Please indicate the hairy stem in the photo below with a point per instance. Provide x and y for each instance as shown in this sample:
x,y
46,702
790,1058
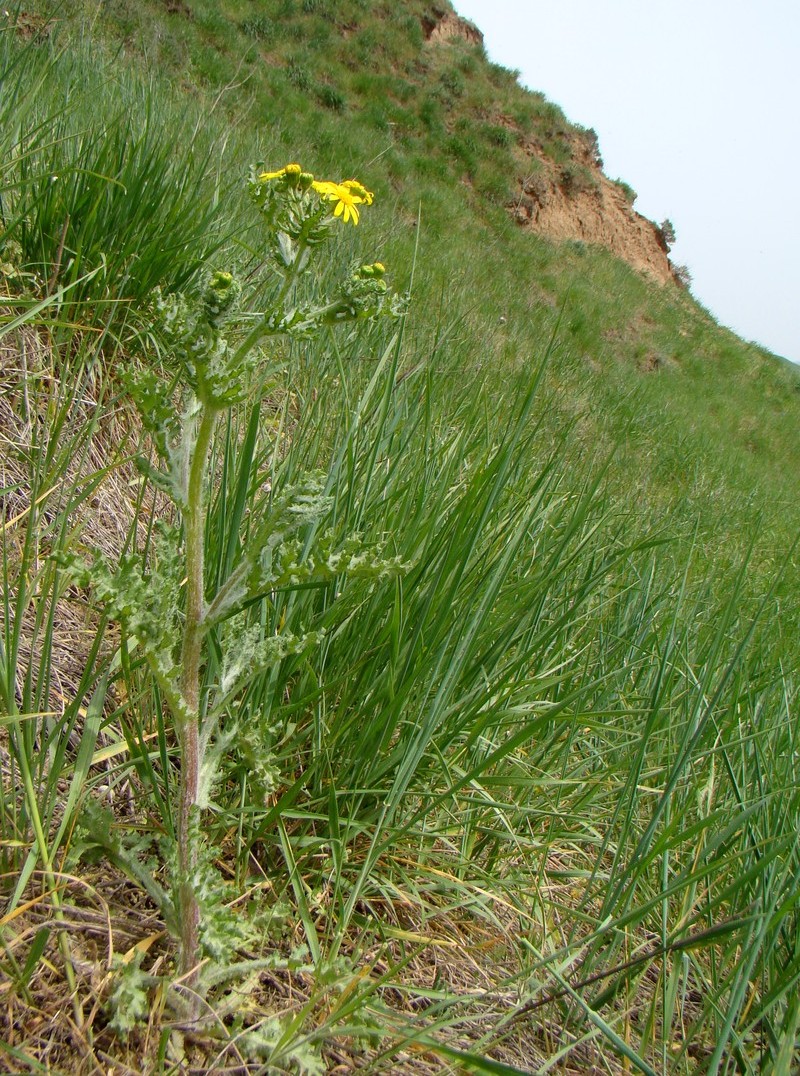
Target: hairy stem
x,y
188,721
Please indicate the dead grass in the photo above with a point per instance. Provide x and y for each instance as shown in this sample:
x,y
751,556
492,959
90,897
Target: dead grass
x,y
456,956
91,494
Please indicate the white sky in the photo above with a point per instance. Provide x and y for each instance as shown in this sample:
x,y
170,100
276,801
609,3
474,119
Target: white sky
x,y
697,106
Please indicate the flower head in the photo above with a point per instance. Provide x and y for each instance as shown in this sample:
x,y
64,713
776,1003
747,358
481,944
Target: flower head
x,y
324,188
344,197
358,191
345,201
347,196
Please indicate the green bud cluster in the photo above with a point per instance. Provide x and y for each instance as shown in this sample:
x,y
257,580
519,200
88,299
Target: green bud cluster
x,y
216,373
365,295
376,271
220,297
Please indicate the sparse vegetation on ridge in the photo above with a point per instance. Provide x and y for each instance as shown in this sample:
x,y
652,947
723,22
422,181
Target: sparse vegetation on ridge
x,y
530,802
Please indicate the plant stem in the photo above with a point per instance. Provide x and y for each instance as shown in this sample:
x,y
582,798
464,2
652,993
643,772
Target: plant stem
x,y
292,275
188,721
290,279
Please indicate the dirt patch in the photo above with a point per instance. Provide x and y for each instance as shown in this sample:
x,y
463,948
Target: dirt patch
x,y
178,7
580,202
450,27
655,361
28,26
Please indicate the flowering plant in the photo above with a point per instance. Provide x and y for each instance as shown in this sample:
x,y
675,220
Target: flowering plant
x,y
164,605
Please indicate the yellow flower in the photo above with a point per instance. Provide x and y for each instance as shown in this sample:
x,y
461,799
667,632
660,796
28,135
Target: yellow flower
x,y
347,196
287,170
324,188
359,191
344,199
346,206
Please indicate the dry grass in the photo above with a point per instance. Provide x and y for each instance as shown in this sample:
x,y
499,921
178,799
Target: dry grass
x,y
456,956
109,513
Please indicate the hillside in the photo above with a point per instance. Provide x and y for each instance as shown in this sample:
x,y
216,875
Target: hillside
x,y
398,663
407,91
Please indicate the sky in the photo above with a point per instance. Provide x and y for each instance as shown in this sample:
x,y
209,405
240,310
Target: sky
x,y
697,106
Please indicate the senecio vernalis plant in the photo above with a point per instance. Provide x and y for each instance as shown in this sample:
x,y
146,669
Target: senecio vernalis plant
x,y
216,360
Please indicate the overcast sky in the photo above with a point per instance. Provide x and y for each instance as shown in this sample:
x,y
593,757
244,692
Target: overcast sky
x,y
697,106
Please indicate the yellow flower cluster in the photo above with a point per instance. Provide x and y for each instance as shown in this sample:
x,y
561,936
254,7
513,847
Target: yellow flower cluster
x,y
347,195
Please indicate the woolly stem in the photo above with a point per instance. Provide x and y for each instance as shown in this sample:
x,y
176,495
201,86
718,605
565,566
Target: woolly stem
x,y
188,721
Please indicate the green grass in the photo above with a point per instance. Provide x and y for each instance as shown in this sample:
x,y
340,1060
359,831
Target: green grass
x,y
100,207
536,798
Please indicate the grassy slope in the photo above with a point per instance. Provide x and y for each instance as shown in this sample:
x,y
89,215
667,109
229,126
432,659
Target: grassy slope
x,y
581,763
358,90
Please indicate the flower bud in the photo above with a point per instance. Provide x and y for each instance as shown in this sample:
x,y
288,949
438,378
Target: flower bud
x,y
220,280
292,173
222,291
305,180
375,271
